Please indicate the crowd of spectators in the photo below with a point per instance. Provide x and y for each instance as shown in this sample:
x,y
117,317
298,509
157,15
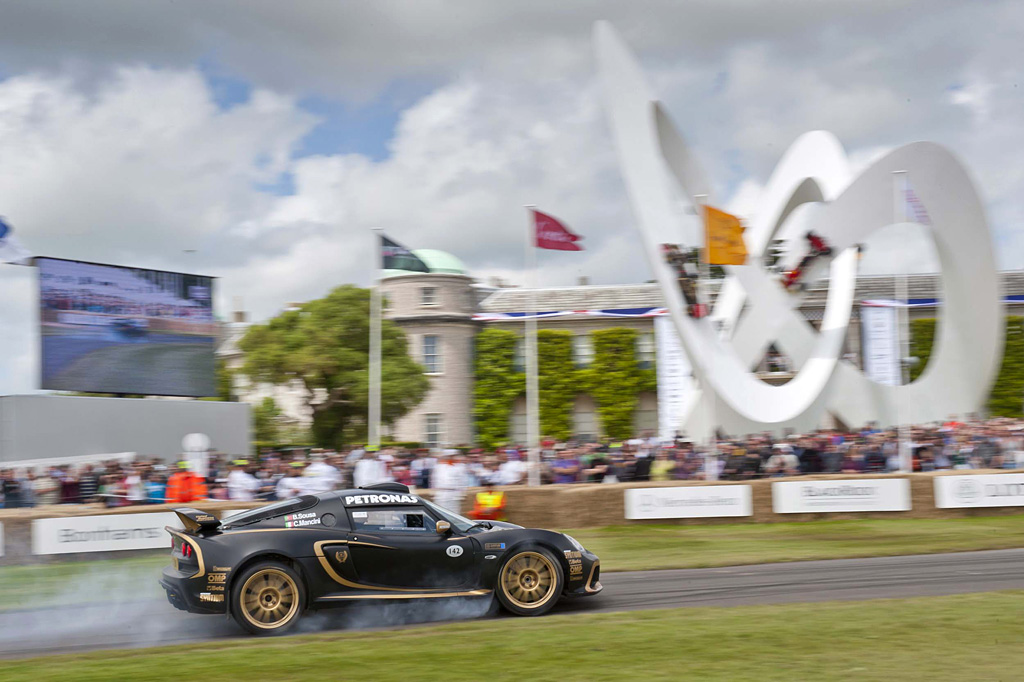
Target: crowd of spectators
x,y
278,474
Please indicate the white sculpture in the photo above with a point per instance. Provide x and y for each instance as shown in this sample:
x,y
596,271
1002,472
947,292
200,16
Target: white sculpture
x,y
810,189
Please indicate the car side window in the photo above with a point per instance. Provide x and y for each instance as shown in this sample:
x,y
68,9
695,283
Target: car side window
x,y
397,519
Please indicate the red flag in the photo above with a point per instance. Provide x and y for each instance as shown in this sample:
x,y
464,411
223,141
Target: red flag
x,y
552,234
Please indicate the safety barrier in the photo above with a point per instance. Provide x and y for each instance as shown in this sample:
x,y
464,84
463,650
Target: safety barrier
x,y
88,531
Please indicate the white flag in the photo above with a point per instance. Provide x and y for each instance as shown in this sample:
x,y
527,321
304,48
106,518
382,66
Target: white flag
x,y
11,250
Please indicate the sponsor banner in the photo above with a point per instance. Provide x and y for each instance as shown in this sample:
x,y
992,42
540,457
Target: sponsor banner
x,y
880,344
109,533
852,495
983,490
84,318
675,378
688,502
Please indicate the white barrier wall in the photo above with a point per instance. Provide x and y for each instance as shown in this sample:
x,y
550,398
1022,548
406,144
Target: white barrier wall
x,y
982,490
108,533
689,502
855,495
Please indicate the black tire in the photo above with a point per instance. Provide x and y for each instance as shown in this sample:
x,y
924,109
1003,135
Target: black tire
x,y
268,598
530,582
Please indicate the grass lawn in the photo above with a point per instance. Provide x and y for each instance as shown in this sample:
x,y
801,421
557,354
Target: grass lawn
x,y
963,637
633,548
621,548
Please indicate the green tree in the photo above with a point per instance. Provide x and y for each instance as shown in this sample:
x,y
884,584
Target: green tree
x,y
615,379
496,384
1007,396
556,381
324,344
266,423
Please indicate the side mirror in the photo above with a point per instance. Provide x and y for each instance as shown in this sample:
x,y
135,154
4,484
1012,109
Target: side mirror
x,y
442,527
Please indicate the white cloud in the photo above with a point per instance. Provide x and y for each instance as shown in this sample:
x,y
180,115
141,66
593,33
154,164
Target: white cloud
x,y
115,150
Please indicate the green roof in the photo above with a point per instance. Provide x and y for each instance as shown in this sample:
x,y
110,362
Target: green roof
x,y
437,261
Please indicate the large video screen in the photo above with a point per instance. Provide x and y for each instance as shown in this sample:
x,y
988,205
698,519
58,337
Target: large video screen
x,y
110,329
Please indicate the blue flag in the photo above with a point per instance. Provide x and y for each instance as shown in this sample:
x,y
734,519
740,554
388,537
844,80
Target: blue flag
x,y
11,251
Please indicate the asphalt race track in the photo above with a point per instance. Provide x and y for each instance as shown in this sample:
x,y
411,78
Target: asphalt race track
x,y
151,622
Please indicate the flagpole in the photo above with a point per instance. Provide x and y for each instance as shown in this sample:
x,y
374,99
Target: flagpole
x,y
899,184
532,390
704,298
373,418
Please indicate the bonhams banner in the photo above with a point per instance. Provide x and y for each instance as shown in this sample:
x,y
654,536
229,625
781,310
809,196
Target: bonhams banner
x,y
106,533
852,495
983,490
689,502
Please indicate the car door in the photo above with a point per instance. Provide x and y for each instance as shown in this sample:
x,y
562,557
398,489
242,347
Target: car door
x,y
399,547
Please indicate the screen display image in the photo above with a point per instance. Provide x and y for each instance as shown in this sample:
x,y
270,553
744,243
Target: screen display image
x,y
110,329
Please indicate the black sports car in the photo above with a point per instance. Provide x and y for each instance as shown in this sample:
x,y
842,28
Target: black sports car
x,y
268,565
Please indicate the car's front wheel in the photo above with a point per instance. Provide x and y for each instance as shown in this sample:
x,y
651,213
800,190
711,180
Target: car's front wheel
x,y
267,598
529,582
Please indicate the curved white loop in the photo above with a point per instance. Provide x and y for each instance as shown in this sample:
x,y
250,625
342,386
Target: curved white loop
x,y
814,169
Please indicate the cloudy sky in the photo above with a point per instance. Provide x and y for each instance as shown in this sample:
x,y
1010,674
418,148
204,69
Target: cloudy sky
x,y
259,141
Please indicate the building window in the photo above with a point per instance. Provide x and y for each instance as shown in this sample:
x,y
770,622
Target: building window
x,y
432,354
645,350
434,432
519,359
582,350
428,296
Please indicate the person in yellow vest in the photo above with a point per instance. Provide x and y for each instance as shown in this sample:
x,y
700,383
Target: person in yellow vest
x,y
489,505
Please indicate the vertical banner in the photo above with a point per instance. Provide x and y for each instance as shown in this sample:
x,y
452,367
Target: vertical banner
x,y
881,348
675,378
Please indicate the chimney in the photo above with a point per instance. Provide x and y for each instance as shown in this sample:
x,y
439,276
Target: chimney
x,y
583,281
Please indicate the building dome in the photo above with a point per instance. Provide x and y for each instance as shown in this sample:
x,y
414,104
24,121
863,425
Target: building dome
x,y
437,261
441,261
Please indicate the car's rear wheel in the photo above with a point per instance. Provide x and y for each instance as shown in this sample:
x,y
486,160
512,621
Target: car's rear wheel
x,y
267,598
529,582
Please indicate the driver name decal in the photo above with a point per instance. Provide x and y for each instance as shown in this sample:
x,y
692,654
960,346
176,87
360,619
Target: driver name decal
x,y
299,520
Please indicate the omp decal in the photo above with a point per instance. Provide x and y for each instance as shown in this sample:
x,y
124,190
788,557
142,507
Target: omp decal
x,y
379,499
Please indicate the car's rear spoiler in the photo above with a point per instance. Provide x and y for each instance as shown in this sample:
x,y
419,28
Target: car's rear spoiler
x,y
197,522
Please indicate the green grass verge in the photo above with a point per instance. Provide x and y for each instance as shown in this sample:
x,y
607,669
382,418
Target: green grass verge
x,y
963,637
634,548
621,548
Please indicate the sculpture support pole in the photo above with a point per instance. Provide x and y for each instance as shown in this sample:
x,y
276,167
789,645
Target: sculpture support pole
x,y
899,215
532,397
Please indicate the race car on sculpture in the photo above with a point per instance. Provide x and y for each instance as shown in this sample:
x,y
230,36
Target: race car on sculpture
x,y
267,566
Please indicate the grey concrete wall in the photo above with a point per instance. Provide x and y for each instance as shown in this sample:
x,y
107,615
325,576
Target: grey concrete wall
x,y
38,426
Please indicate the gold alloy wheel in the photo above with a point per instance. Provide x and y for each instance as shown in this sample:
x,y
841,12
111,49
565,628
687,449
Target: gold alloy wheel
x,y
528,580
270,598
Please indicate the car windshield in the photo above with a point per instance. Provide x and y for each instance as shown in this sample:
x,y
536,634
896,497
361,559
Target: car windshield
x,y
461,523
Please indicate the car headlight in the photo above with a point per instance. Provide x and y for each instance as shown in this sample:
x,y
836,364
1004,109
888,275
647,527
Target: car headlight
x,y
576,545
